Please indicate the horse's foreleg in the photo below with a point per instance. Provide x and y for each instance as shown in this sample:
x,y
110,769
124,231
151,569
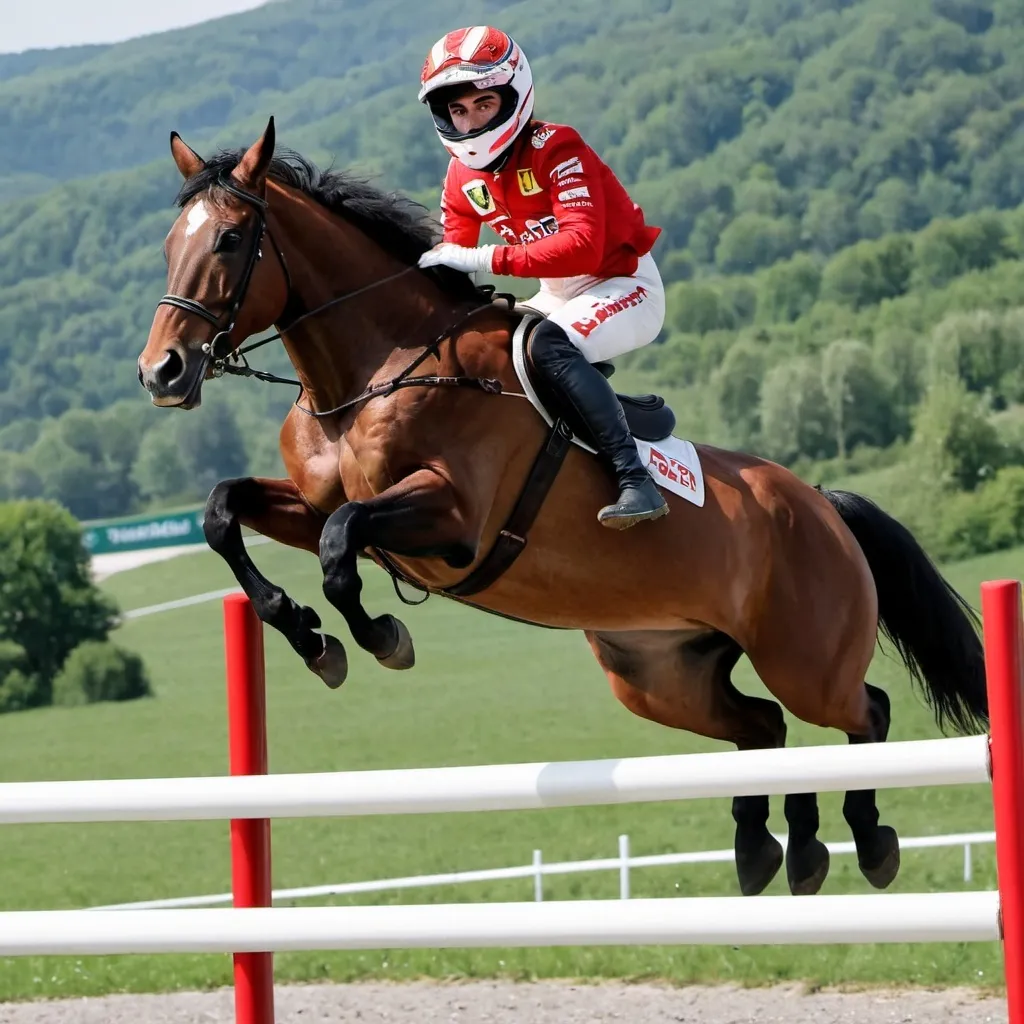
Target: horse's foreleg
x,y
275,509
417,517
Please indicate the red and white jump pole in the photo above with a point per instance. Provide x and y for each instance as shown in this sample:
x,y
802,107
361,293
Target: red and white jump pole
x,y
1004,667
250,837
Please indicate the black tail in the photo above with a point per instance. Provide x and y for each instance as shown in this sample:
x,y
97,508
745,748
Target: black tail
x,y
934,630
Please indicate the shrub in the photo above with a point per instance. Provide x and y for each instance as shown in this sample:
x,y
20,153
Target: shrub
x,y
100,671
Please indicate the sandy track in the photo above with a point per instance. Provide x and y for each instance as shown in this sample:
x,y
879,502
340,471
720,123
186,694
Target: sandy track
x,y
530,1003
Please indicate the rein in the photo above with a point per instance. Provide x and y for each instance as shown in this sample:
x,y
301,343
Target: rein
x,y
222,361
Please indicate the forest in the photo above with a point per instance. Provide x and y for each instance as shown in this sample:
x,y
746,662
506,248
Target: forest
x,y
839,184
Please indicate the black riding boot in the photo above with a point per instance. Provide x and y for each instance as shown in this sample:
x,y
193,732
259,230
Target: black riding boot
x,y
584,389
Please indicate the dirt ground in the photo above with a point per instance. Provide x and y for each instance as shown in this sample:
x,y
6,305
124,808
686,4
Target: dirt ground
x,y
529,1003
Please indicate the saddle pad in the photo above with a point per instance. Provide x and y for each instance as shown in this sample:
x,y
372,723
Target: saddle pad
x,y
672,462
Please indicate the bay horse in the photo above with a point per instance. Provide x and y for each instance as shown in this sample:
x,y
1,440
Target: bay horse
x,y
411,444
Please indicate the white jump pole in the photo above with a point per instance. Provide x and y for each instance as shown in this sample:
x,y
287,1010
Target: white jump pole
x,y
835,768
722,920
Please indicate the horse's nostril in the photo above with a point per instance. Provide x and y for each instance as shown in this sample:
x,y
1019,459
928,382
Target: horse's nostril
x,y
169,369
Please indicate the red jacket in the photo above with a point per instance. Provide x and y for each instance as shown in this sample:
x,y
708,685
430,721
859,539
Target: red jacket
x,y
559,207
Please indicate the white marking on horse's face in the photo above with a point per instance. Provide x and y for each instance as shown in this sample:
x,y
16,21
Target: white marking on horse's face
x,y
197,217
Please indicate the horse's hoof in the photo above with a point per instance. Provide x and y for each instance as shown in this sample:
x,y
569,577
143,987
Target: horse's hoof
x,y
402,654
332,664
807,867
884,864
755,870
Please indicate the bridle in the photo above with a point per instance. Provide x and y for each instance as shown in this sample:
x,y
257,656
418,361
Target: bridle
x,y
214,349
218,354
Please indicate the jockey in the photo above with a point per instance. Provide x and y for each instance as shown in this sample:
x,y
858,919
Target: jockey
x,y
566,220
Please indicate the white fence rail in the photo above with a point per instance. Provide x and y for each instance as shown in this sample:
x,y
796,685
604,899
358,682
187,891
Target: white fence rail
x,y
910,763
538,869
729,920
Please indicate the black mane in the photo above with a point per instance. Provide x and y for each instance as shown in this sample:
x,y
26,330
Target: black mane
x,y
399,224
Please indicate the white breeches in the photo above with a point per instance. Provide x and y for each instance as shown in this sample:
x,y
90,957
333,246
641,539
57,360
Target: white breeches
x,y
605,318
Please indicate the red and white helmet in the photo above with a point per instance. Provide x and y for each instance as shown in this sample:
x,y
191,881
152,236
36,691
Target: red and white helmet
x,y
489,59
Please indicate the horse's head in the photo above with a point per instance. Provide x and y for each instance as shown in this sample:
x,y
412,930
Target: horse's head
x,y
219,288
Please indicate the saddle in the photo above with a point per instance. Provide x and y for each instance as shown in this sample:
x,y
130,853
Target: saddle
x,y
648,417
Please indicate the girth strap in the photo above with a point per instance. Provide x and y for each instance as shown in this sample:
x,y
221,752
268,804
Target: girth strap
x,y
512,539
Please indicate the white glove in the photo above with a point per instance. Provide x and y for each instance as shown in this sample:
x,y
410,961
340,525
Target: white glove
x,y
459,257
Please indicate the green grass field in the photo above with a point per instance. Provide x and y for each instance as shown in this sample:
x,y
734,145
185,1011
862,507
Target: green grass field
x,y
483,691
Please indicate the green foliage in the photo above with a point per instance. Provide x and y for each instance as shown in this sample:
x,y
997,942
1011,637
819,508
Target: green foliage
x,y
99,671
954,440
788,290
48,602
991,519
737,387
839,184
857,403
795,416
17,685
868,272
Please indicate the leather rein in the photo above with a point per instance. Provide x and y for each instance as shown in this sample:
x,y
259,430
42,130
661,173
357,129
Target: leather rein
x,y
221,359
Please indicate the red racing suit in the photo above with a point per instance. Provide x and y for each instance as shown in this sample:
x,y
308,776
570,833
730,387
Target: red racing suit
x,y
560,209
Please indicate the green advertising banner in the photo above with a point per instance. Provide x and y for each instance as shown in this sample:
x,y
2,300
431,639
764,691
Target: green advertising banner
x,y
136,533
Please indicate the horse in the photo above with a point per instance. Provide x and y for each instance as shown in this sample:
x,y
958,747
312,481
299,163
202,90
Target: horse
x,y
438,476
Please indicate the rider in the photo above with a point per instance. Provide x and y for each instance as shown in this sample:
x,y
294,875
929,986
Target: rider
x,y
566,219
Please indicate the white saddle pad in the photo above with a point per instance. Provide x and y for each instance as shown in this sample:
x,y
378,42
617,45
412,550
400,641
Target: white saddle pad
x,y
672,461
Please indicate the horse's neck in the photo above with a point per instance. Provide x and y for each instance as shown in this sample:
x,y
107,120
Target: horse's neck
x,y
336,354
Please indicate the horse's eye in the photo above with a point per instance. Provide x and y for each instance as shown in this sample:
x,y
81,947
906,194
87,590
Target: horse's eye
x,y
228,242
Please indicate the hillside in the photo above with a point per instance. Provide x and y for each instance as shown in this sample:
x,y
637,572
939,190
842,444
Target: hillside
x,y
824,170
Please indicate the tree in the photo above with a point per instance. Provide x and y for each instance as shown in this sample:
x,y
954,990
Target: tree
x,y
48,602
857,398
211,445
898,362
868,272
795,418
737,389
894,207
678,265
692,308
954,443
754,240
788,289
830,222
984,349
159,471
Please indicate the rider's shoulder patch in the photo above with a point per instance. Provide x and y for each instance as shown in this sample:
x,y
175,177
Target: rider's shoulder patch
x,y
541,134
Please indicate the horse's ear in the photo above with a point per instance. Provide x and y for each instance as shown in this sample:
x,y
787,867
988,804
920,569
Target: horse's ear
x,y
253,167
188,160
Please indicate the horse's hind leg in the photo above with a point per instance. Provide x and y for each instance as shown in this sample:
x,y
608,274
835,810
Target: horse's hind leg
x,y
840,700
682,680
878,847
276,509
